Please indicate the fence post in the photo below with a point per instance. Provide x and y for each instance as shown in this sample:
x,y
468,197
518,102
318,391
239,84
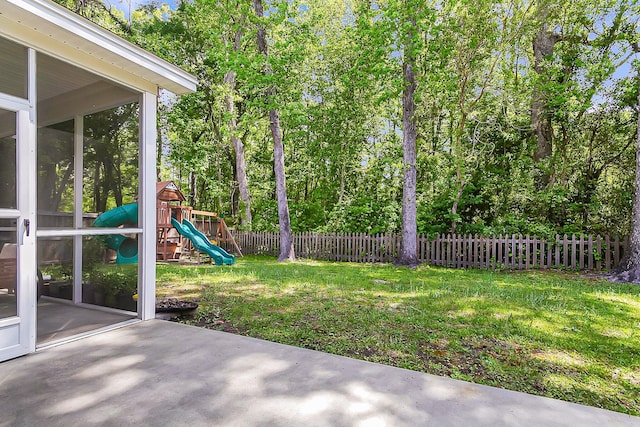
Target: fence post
x,y
535,249
514,251
465,246
487,252
599,252
448,256
455,258
573,251
581,251
590,253
542,254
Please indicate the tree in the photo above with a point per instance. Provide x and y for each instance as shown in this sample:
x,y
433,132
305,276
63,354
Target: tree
x,y
629,268
543,46
286,242
338,74
98,11
236,141
409,247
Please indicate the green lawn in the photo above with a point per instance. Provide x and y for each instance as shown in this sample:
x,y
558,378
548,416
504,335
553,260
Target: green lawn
x,y
548,333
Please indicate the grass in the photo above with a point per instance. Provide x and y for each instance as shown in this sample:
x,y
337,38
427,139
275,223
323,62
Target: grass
x,y
554,334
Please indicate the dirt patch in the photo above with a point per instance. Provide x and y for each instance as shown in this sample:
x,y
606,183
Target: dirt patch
x,y
218,325
173,305
473,358
210,319
363,352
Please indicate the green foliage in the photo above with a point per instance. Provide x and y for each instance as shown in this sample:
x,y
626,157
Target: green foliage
x,y
111,158
58,271
337,67
93,249
114,279
364,215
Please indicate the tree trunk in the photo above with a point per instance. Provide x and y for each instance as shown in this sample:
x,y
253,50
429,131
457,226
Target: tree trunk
x,y
219,200
238,145
193,179
543,46
629,268
409,246
243,183
341,191
57,196
96,188
286,243
456,202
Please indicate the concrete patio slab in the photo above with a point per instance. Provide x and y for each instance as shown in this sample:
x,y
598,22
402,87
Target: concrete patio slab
x,y
160,373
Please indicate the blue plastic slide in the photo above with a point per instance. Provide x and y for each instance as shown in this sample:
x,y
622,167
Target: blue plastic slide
x,y
202,243
125,247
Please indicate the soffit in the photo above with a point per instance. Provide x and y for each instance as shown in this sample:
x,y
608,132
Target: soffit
x,y
61,33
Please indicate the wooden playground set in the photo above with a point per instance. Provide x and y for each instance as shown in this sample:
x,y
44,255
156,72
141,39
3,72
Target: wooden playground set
x,y
171,245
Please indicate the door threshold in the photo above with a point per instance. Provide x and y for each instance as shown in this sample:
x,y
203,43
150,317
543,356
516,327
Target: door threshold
x,y
87,334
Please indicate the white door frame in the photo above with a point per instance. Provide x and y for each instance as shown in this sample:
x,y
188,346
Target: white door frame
x,y
18,333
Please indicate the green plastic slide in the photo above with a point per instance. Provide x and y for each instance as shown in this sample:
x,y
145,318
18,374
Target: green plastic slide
x,y
202,243
126,248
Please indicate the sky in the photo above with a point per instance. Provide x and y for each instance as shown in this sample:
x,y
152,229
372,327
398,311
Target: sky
x,y
130,5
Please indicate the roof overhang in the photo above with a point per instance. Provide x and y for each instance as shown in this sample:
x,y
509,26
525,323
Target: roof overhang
x,y
55,30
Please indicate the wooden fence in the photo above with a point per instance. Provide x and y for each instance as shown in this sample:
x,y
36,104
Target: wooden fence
x,y
513,252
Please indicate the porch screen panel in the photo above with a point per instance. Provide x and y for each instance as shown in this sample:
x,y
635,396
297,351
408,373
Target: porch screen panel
x,y
8,195
13,78
111,171
110,278
56,175
55,262
8,270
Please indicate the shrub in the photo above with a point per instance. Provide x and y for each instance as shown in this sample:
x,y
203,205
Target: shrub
x,y
114,279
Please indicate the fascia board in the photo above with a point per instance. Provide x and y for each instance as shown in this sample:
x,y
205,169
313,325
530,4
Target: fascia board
x,y
58,23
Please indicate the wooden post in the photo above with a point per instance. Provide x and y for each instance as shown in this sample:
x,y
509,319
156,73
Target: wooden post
x,y
581,251
436,250
514,252
475,260
455,256
487,252
599,252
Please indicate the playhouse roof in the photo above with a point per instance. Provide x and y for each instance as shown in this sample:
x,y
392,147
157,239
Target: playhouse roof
x,y
168,191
